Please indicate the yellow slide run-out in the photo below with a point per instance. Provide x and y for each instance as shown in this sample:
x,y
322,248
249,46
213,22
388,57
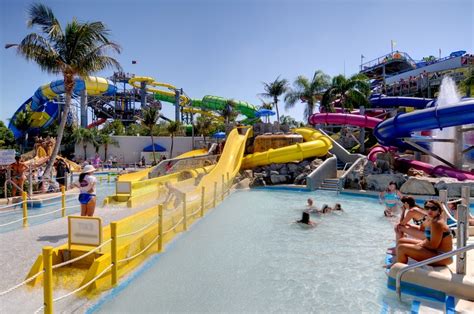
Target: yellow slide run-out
x,y
316,145
216,182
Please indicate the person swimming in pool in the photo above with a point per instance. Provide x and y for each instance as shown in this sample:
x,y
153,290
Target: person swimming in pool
x,y
310,207
391,197
305,219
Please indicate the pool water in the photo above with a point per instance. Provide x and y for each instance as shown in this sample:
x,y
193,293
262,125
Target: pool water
x,y
247,255
103,190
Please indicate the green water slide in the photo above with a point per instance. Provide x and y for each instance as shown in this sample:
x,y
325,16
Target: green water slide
x,y
214,103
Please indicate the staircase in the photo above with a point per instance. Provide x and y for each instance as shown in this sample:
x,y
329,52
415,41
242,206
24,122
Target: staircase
x,y
330,184
451,305
340,164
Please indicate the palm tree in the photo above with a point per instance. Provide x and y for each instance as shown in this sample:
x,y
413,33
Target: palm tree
x,y
82,136
307,91
204,126
106,140
289,121
22,122
467,83
148,120
78,50
275,89
351,92
228,112
172,128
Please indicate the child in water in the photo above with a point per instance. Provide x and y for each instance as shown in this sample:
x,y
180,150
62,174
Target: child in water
x,y
305,219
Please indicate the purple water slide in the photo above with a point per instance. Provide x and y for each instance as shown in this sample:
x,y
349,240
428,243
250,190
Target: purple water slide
x,y
344,118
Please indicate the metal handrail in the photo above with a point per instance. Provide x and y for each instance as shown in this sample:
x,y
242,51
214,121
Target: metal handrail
x,y
344,175
402,271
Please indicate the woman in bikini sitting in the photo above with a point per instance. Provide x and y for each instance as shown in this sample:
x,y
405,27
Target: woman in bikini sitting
x,y
391,197
438,239
410,211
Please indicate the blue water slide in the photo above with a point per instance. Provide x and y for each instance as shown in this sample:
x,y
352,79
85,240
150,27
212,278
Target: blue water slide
x,y
381,101
390,131
45,111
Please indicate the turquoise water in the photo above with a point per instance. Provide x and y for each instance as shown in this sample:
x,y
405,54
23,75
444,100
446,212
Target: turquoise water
x,y
103,190
247,255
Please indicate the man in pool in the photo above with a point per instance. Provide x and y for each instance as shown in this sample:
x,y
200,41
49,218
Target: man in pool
x,y
305,219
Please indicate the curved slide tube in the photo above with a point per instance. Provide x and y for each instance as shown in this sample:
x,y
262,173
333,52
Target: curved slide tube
x,y
44,111
344,118
381,101
213,103
389,132
316,145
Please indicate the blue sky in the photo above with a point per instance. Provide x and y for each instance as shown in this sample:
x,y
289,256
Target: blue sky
x,y
228,48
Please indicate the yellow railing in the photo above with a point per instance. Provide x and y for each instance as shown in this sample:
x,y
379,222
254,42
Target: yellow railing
x,y
119,257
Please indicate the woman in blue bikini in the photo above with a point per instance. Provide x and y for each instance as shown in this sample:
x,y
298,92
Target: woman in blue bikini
x,y
391,197
87,183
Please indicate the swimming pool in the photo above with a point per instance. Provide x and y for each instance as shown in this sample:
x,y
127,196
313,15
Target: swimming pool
x,y
247,255
103,190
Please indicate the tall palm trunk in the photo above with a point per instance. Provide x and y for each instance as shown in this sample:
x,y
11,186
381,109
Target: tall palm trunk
x,y
68,85
275,100
153,147
172,144
106,148
85,151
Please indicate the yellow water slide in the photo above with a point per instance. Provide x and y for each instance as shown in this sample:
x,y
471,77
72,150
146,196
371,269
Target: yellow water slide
x,y
143,174
133,248
315,145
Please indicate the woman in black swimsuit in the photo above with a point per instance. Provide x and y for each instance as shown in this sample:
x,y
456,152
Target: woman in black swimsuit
x,y
410,211
438,239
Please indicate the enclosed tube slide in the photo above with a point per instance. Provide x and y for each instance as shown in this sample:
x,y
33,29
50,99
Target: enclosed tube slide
x,y
45,111
213,103
381,101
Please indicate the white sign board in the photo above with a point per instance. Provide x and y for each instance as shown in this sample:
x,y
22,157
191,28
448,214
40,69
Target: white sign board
x,y
85,230
7,156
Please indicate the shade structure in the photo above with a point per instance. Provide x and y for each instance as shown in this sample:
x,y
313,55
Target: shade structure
x,y
158,148
219,135
264,113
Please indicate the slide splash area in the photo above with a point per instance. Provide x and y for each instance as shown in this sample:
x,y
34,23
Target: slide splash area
x,y
212,103
45,111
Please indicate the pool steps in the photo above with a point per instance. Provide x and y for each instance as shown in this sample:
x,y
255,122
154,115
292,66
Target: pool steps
x,y
451,305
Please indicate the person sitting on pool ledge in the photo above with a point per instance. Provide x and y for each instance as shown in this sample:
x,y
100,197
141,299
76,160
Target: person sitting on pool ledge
x,y
305,219
438,239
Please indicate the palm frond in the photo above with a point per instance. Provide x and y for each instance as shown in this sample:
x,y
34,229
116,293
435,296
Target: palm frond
x,y
43,16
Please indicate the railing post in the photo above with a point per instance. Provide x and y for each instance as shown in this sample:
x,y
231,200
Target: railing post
x,y
462,230
185,224
443,197
223,188
214,202
24,197
30,182
160,227
63,201
108,177
203,194
113,252
48,279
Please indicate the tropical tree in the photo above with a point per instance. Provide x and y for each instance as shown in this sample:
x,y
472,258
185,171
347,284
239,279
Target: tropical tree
x,y
307,91
82,136
429,59
173,128
275,89
7,140
115,127
289,121
22,122
467,84
106,140
204,126
228,112
350,92
79,49
148,120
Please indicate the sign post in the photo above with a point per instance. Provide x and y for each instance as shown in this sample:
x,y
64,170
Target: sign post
x,y
84,231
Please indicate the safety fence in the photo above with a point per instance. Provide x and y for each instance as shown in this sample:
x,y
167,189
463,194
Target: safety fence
x,y
125,246
62,200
